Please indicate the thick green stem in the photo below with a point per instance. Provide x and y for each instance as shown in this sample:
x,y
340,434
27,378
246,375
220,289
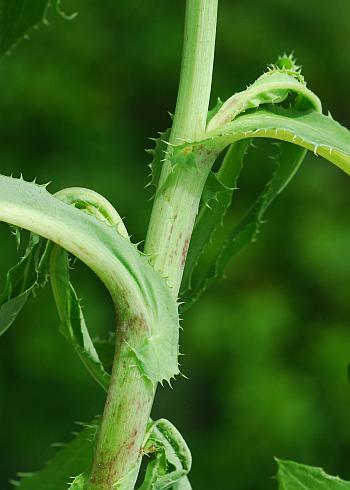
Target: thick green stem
x,y
175,207
130,395
196,71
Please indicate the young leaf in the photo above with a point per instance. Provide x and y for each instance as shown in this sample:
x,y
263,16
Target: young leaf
x,y
182,484
210,217
23,280
74,458
172,461
212,189
272,87
247,230
136,289
158,155
294,476
78,483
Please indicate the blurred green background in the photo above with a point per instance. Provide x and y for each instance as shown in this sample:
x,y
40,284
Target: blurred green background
x,y
266,351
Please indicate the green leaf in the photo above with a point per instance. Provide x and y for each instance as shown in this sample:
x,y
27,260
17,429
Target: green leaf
x,y
306,128
172,460
158,156
105,348
78,483
73,325
23,280
136,288
74,458
212,189
310,129
272,87
247,230
17,17
182,484
211,217
294,476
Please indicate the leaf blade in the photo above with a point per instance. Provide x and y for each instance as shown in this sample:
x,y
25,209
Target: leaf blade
x,y
136,288
17,18
273,87
210,217
73,325
172,462
311,130
247,229
74,458
295,476
23,280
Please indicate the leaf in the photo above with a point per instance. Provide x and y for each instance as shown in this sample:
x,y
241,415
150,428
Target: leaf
x,y
247,230
158,155
17,17
73,325
182,484
23,280
105,348
78,483
74,458
294,476
172,461
136,288
272,87
211,217
310,129
212,189
223,128
307,128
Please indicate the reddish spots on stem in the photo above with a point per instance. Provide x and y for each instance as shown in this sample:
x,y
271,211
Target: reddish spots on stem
x,y
184,251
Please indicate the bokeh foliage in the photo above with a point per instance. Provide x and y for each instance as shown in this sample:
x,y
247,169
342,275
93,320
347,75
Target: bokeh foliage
x,y
266,351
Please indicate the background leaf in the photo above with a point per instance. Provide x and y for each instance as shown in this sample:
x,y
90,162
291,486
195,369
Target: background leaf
x,y
17,17
74,458
294,476
23,280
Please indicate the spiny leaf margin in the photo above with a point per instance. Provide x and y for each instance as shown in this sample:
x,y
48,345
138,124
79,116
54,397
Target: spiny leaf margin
x,y
309,129
295,476
75,457
247,230
137,290
211,217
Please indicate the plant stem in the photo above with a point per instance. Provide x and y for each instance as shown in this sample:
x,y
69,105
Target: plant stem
x,y
130,395
196,70
129,400
176,207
